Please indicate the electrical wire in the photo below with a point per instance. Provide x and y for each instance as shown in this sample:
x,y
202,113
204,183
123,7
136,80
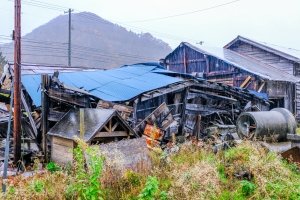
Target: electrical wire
x,y
185,13
78,48
88,16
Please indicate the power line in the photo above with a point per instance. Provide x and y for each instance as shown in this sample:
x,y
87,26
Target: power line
x,y
62,46
185,13
165,35
82,51
62,8
82,55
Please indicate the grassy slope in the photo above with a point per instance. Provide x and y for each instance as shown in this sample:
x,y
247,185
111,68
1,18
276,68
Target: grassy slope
x,y
192,173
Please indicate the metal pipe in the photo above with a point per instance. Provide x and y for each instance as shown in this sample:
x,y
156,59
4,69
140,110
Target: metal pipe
x,y
271,125
6,154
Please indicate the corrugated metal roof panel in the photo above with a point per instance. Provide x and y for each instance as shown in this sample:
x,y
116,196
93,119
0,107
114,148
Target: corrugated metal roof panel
x,y
119,84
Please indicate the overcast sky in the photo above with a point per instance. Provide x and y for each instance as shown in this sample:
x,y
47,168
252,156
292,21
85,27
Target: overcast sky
x,y
271,21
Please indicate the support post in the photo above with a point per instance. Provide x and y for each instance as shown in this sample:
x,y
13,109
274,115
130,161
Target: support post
x,y
17,83
183,116
82,125
6,153
184,60
198,127
45,111
207,64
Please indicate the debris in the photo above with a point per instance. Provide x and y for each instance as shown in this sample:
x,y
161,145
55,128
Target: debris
x,y
123,156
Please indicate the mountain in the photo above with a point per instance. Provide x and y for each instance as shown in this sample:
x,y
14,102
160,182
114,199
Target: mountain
x,y
95,43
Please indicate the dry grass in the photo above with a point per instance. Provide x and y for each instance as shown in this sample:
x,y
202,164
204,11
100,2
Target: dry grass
x,y
192,173
40,186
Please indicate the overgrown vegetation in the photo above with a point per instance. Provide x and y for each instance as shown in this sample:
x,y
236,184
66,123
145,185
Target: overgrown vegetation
x,y
53,167
243,172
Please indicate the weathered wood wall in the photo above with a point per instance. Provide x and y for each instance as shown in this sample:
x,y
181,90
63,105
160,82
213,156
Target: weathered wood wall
x,y
61,150
186,60
285,91
173,100
264,56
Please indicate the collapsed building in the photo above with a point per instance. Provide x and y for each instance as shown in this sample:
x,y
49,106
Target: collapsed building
x,y
146,97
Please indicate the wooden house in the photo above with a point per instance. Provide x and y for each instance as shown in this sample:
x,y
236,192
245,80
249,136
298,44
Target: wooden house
x,y
92,125
232,68
285,59
282,58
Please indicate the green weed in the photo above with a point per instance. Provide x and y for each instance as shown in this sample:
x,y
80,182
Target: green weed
x,y
247,187
150,190
37,186
85,182
53,167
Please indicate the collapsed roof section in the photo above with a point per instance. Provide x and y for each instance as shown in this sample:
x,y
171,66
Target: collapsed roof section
x,y
114,85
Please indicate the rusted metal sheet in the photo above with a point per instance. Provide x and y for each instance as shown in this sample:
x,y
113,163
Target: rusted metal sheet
x,y
292,155
153,132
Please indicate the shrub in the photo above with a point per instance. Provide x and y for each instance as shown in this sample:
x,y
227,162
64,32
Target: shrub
x,y
150,190
85,181
53,167
247,187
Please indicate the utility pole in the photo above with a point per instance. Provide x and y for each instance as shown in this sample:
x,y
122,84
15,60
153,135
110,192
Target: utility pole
x,y
69,43
17,83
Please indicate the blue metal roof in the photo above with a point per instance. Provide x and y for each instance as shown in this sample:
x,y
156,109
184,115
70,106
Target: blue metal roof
x,y
119,84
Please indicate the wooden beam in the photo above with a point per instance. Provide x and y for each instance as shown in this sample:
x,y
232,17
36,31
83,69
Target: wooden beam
x,y
213,95
112,134
107,129
81,123
171,88
45,109
110,125
261,87
207,63
246,81
31,120
115,126
184,60
64,96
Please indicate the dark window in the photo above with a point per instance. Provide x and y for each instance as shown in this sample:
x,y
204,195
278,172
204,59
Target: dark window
x,y
297,69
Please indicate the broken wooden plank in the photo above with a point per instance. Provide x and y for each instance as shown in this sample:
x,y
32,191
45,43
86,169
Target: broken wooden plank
x,y
213,95
246,81
112,134
32,123
68,98
261,87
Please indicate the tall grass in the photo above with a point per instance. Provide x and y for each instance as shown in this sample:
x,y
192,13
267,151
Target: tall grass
x,y
246,171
